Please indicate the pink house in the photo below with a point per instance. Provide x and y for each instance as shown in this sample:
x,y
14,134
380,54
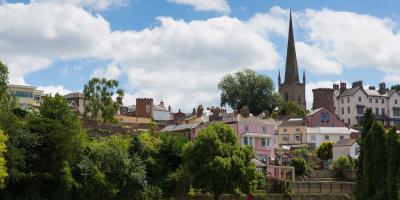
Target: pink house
x,y
323,117
252,131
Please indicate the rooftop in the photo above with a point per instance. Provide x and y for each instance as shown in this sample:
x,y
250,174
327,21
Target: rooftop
x,y
347,142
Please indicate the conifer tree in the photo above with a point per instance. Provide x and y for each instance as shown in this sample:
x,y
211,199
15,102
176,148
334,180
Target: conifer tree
x,y
393,164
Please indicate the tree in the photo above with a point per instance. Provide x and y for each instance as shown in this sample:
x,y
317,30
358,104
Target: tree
x,y
324,151
291,108
99,99
3,168
7,103
300,166
395,87
393,164
136,146
340,166
218,163
247,88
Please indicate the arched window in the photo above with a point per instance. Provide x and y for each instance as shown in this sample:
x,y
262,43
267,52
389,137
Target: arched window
x,y
299,99
286,96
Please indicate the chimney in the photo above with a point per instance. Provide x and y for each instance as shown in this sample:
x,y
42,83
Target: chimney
x,y
382,88
357,84
371,87
335,86
343,86
161,104
200,110
194,111
245,112
169,108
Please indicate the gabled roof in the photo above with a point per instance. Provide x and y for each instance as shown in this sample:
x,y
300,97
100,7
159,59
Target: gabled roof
x,y
347,142
351,91
180,127
293,122
314,111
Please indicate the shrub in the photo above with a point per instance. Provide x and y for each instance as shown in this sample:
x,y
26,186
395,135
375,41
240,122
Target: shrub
x,y
341,165
300,166
278,186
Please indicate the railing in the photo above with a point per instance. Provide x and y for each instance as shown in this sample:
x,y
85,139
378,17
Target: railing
x,y
325,187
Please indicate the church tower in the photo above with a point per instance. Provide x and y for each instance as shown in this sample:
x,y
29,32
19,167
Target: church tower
x,y
291,89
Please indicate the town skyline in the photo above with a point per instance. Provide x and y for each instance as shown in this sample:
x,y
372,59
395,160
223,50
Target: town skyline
x,y
164,57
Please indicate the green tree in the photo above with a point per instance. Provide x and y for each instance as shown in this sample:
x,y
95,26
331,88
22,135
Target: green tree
x,y
340,166
395,87
136,146
393,164
99,99
324,151
291,108
218,163
7,103
247,88
3,150
300,166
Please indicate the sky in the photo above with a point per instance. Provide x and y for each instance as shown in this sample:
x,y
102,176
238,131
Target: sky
x,y
178,50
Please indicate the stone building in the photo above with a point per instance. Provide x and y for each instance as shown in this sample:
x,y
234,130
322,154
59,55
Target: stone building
x,y
144,107
323,98
291,89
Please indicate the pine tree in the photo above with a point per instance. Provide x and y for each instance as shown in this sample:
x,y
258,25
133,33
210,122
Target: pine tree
x,y
393,164
378,161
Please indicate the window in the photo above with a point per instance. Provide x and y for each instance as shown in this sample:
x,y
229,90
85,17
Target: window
x,y
297,130
341,100
377,111
246,128
376,100
313,138
285,130
299,99
342,111
248,141
348,121
341,137
263,142
264,129
360,109
297,138
370,100
383,111
285,138
268,142
383,101
324,117
348,109
326,137
286,97
148,108
23,94
395,101
396,112
359,99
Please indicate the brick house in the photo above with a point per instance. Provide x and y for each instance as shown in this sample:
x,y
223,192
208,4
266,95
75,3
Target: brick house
x,y
322,117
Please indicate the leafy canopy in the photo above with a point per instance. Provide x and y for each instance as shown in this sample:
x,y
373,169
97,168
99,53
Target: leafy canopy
x,y
247,88
99,99
218,163
324,151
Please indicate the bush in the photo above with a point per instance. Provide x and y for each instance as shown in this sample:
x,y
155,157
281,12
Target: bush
x,y
341,165
278,186
300,166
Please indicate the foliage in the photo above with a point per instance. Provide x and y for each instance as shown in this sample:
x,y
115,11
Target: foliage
x,y
374,164
99,99
340,166
247,88
218,163
136,146
395,87
300,166
393,164
324,150
291,108
7,102
278,186
3,149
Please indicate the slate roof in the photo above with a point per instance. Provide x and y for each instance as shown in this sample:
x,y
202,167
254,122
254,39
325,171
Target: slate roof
x,y
180,127
293,122
329,130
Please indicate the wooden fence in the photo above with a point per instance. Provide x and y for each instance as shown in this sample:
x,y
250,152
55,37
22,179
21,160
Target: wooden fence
x,y
326,187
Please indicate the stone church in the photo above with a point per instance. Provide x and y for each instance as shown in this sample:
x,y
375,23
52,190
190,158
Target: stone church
x,y
291,89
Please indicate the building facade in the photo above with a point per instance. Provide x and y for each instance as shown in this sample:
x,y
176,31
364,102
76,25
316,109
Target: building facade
x,y
317,135
76,101
27,96
293,132
346,148
350,103
291,89
323,117
323,98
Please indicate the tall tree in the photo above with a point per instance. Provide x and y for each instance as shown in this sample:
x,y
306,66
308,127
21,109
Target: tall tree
x,y
99,99
218,163
393,164
7,103
247,88
368,120
395,87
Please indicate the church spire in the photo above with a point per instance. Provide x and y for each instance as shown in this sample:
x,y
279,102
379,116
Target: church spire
x,y
291,73
279,77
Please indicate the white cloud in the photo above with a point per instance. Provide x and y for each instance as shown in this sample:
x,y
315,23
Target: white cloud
x,y
98,5
392,78
220,6
54,89
112,71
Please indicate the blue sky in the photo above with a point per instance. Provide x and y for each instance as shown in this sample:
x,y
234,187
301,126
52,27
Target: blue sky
x,y
177,50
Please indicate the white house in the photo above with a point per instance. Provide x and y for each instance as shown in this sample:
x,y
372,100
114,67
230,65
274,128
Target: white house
x,y
161,113
351,103
346,148
318,135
